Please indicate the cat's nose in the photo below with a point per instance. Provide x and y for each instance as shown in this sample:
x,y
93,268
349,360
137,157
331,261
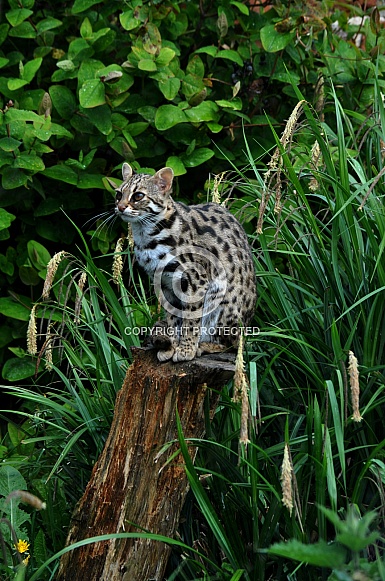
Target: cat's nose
x,y
122,206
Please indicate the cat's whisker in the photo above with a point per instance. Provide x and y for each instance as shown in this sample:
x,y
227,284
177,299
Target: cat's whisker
x,y
107,222
94,219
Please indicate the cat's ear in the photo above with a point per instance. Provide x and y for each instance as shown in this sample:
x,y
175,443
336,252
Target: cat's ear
x,y
126,171
163,179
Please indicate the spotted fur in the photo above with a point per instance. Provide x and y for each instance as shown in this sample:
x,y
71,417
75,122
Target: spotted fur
x,y
199,260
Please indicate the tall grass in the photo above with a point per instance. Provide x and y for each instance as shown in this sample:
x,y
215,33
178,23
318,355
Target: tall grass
x,y
320,269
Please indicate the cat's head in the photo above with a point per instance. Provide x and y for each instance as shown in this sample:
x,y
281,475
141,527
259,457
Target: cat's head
x,y
142,195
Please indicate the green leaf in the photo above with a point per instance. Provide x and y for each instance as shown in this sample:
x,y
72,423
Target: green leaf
x,y
192,85
101,118
3,32
167,116
196,67
235,104
23,30
210,50
48,206
320,554
9,144
5,219
230,55
241,7
6,266
273,41
82,5
147,65
48,24
15,309
21,115
16,369
29,162
197,157
13,178
214,127
176,164
165,56
86,28
206,111
38,254
10,480
29,276
16,84
17,16
66,65
169,87
92,94
90,182
128,21
63,173
31,68
137,128
63,100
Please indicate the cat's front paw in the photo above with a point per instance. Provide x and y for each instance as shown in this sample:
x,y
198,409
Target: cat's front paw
x,y
165,355
183,355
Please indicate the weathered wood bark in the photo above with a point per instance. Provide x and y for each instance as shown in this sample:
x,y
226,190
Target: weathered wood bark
x,y
131,482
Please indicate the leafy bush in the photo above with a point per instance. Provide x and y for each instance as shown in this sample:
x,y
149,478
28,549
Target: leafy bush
x,y
87,86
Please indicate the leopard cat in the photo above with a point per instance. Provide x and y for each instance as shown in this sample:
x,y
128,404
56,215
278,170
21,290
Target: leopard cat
x,y
199,260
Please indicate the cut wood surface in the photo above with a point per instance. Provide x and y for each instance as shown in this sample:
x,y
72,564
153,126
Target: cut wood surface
x,y
132,486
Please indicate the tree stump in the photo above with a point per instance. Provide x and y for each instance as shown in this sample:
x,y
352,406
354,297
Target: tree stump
x,y
132,483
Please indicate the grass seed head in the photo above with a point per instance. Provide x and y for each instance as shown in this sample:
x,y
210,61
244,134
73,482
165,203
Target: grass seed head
x,y
52,267
117,265
286,480
354,386
32,332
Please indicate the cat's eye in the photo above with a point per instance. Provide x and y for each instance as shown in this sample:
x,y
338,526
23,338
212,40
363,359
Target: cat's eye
x,y
137,196
118,196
